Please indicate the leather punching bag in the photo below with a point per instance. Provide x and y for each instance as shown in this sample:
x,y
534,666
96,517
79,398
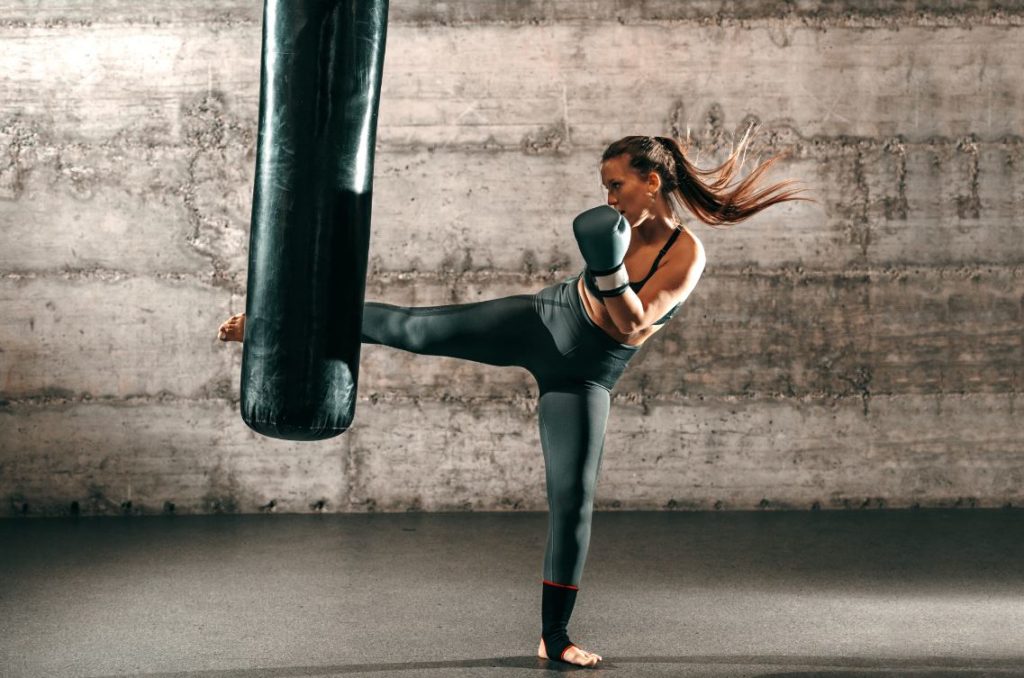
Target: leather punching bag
x,y
310,234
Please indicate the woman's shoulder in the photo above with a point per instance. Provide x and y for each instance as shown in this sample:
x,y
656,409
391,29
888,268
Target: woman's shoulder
x,y
689,248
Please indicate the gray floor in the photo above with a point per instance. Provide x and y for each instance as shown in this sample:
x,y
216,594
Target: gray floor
x,y
873,593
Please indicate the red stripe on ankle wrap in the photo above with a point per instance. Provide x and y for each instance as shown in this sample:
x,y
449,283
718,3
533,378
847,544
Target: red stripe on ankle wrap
x,y
562,656
561,586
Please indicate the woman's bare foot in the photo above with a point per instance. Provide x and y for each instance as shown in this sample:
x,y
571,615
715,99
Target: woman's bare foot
x,y
573,655
233,328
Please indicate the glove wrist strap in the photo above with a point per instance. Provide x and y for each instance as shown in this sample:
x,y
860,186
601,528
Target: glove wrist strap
x,y
612,283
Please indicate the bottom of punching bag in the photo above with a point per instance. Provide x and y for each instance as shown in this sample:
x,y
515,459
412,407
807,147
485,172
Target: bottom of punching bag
x,y
296,432
289,409
295,426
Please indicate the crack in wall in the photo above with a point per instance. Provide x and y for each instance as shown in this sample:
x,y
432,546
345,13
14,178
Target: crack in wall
x,y
969,205
481,277
212,135
817,14
898,207
15,136
19,505
524,404
556,139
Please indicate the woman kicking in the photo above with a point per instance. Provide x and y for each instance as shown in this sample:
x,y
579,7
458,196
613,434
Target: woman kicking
x,y
577,336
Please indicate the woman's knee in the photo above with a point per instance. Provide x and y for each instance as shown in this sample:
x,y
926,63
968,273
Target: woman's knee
x,y
570,501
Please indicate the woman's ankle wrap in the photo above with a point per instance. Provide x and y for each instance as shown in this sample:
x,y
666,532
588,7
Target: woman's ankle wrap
x,y
557,602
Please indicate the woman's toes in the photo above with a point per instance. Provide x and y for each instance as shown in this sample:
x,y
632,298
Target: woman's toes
x,y
581,657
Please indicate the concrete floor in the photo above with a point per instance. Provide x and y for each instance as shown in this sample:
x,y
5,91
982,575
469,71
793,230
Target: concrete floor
x,y
873,593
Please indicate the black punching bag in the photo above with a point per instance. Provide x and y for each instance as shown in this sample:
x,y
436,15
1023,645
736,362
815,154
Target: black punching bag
x,y
310,235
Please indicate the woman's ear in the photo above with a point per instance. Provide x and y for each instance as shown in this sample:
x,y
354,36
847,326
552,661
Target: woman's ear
x,y
653,183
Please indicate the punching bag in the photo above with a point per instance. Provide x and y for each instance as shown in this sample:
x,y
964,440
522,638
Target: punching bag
x,y
310,234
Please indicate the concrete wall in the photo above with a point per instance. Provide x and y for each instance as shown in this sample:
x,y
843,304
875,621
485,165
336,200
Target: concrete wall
x,y
865,351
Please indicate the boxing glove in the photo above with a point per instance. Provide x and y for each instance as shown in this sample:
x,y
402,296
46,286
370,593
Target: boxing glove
x,y
603,238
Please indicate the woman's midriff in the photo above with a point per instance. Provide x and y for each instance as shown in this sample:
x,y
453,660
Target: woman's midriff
x,y
600,316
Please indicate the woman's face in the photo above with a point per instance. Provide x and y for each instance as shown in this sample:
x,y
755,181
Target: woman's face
x,y
628,192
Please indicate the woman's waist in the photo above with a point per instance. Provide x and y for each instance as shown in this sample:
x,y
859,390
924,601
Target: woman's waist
x,y
565,296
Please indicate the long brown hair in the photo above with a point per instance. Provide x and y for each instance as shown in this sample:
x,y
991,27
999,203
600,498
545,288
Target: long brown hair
x,y
711,195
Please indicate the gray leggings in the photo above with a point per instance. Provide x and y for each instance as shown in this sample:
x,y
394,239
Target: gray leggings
x,y
575,364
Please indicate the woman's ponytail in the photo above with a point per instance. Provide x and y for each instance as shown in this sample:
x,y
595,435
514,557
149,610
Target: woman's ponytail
x,y
711,195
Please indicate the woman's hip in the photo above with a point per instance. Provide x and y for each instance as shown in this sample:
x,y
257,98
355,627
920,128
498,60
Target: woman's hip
x,y
587,354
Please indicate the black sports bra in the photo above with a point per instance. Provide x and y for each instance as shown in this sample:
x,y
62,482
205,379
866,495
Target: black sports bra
x,y
588,280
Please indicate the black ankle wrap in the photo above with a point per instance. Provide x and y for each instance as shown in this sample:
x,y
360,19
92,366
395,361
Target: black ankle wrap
x,y
557,602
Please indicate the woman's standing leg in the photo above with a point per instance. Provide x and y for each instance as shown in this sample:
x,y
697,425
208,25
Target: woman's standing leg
x,y
572,431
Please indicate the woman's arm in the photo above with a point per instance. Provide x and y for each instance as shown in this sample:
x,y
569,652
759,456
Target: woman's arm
x,y
671,283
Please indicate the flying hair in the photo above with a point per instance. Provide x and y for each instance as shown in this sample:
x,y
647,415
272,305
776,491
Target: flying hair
x,y
716,196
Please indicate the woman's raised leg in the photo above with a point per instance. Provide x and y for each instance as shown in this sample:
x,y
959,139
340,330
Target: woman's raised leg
x,y
505,331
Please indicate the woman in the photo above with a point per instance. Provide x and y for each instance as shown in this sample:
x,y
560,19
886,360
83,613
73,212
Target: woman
x,y
577,336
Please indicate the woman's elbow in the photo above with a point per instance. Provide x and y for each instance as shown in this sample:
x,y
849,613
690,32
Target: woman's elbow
x,y
633,327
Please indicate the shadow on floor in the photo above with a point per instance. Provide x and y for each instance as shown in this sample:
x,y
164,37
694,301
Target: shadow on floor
x,y
834,667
